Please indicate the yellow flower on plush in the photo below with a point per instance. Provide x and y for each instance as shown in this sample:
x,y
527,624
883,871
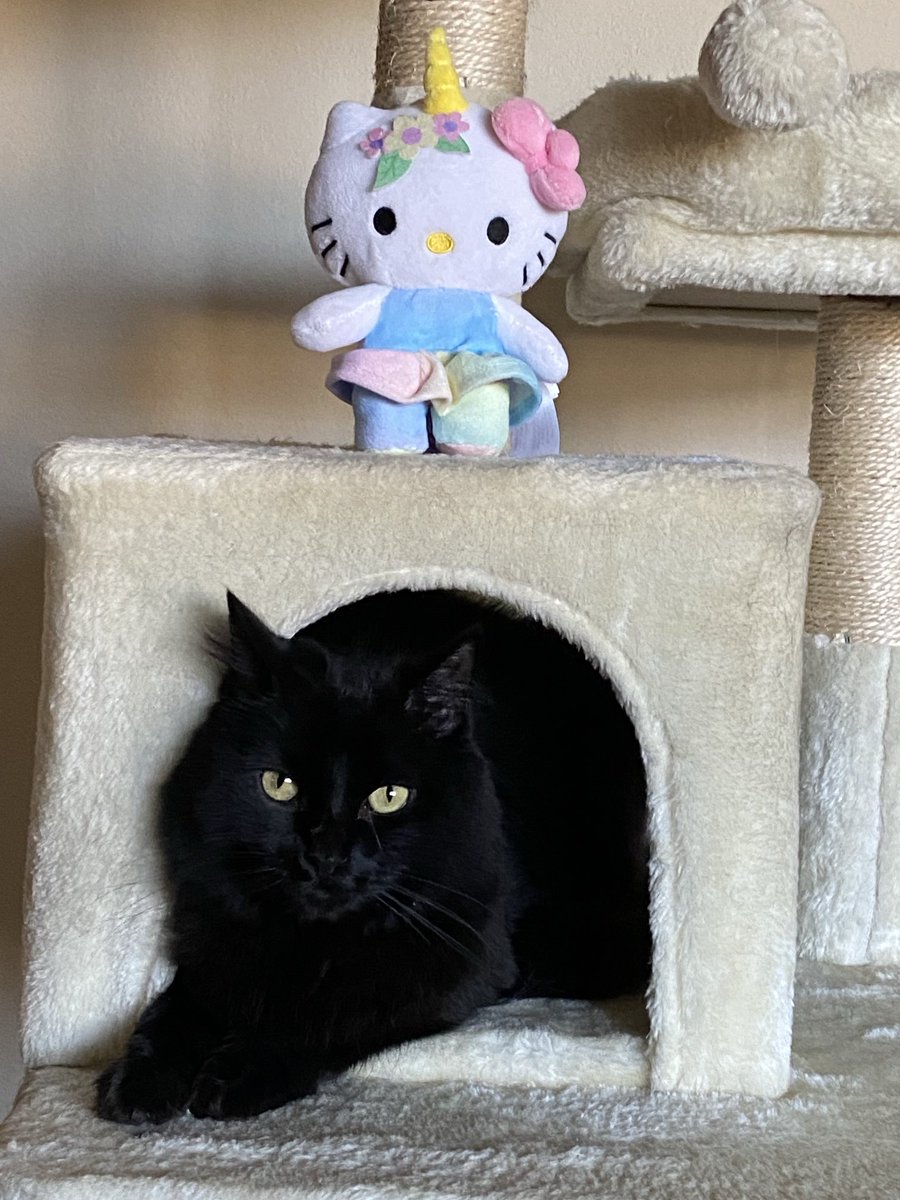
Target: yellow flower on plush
x,y
409,135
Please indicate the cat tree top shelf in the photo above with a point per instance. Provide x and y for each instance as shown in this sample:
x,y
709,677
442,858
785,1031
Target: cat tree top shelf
x,y
741,196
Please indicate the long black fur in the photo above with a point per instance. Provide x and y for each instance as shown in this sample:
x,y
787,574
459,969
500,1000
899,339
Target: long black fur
x,y
309,935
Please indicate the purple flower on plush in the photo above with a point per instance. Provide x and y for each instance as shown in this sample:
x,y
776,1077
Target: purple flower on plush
x,y
373,144
450,125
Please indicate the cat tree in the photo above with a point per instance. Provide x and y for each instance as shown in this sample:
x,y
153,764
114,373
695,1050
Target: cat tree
x,y
683,580
740,197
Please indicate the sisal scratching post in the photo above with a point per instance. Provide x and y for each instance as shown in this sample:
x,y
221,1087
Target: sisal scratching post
x,y
854,457
488,40
851,765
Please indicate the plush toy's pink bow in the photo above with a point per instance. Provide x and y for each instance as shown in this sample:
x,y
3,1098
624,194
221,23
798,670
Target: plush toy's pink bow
x,y
550,155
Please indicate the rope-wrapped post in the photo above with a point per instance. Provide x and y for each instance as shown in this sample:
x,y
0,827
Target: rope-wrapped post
x,y
854,587
488,40
850,761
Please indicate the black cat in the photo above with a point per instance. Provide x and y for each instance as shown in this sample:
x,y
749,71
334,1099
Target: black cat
x,y
412,808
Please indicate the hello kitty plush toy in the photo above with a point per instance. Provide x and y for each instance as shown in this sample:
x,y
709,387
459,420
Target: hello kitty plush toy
x,y
434,214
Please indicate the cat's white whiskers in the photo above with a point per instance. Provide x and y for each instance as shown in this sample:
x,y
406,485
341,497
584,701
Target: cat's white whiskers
x,y
266,887
441,934
405,919
439,908
446,888
372,826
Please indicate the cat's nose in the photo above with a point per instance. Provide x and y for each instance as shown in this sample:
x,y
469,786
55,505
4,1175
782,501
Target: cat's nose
x,y
439,242
329,855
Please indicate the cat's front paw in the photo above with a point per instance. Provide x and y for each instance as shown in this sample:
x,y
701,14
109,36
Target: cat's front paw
x,y
236,1083
140,1091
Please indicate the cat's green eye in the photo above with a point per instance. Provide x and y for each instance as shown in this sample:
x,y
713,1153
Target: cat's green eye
x,y
278,786
388,799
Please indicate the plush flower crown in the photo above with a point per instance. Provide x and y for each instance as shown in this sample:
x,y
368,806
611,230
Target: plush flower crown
x,y
549,155
397,147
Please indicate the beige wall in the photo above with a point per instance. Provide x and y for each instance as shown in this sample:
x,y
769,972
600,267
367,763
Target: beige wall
x,y
154,154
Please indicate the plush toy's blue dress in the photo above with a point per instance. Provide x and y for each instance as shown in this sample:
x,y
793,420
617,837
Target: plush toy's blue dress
x,y
461,327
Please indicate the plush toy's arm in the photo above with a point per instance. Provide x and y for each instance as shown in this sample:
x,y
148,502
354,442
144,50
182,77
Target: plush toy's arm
x,y
339,318
525,337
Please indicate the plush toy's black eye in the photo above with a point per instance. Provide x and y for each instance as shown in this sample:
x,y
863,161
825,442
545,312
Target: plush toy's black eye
x,y
385,221
498,230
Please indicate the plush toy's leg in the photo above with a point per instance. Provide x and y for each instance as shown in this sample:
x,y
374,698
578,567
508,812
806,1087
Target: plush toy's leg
x,y
477,424
381,424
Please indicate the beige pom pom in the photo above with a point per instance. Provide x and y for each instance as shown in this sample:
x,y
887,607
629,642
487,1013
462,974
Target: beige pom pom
x,y
773,64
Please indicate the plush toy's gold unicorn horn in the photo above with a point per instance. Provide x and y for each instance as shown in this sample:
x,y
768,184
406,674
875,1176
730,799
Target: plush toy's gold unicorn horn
x,y
442,94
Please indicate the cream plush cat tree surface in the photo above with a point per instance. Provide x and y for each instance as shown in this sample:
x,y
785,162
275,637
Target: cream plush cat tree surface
x,y
742,197
684,581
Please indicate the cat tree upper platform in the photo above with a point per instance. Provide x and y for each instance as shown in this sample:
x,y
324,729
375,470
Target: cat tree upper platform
x,y
693,218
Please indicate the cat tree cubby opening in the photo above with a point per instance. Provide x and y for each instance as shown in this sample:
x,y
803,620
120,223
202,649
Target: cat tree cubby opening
x,y
682,580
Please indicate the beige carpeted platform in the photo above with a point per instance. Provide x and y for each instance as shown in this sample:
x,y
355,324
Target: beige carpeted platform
x,y
741,195
833,1136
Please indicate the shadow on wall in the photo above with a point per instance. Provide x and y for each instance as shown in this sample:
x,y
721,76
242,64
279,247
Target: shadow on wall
x,y
21,565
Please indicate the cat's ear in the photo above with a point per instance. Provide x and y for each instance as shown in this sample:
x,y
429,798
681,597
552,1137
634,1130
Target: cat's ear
x,y
439,701
253,652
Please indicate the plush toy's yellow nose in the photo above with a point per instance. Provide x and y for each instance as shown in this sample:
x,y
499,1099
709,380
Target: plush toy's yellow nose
x,y
439,243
